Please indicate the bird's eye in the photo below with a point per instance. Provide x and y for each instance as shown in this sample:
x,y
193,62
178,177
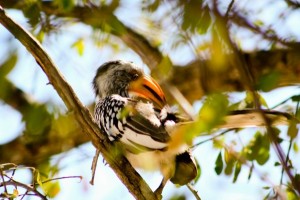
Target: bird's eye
x,y
135,77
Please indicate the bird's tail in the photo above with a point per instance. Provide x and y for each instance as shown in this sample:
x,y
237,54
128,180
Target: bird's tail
x,y
235,119
185,169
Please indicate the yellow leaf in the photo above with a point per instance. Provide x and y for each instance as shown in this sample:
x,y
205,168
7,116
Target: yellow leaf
x,y
15,193
79,46
52,189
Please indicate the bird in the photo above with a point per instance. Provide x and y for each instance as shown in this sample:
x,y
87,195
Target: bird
x,y
132,110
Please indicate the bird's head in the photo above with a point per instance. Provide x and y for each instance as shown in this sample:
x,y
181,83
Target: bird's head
x,y
127,80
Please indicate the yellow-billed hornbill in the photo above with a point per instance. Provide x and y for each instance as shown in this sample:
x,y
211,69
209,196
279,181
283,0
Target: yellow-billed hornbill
x,y
131,108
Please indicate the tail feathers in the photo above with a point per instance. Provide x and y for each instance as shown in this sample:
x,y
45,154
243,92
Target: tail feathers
x,y
253,118
185,169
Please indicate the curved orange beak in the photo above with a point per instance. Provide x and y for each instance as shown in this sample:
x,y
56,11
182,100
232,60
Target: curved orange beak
x,y
147,88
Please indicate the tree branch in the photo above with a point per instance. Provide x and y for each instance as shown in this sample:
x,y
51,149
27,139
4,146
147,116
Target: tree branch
x,y
135,184
24,186
284,61
244,70
150,55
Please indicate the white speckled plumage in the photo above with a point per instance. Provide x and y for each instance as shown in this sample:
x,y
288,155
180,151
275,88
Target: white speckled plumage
x,y
131,108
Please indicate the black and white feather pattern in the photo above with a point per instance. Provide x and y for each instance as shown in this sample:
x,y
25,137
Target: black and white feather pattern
x,y
134,123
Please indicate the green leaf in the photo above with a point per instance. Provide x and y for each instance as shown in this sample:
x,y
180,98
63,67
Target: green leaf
x,y
268,81
31,11
198,171
262,101
218,143
212,112
37,121
64,124
258,23
238,167
298,114
15,193
292,130
229,168
178,197
163,69
8,64
249,100
204,21
230,161
296,147
65,5
38,180
263,156
196,17
277,164
291,194
219,164
295,98
40,36
251,171
258,148
79,46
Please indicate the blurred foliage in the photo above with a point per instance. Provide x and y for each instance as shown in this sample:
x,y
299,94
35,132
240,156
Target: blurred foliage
x,y
165,27
258,149
15,189
212,112
267,82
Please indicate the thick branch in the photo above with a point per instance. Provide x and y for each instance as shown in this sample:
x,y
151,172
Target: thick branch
x,y
122,168
285,63
98,16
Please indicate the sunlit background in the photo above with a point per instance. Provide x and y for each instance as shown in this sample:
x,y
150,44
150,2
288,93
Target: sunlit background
x,y
79,71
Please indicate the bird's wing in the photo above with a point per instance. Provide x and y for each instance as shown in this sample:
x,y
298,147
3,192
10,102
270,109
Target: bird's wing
x,y
142,128
142,125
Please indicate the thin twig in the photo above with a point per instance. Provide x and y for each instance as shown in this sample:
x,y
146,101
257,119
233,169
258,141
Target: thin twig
x,y
290,147
63,177
212,138
195,192
2,176
230,6
286,160
94,165
26,187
